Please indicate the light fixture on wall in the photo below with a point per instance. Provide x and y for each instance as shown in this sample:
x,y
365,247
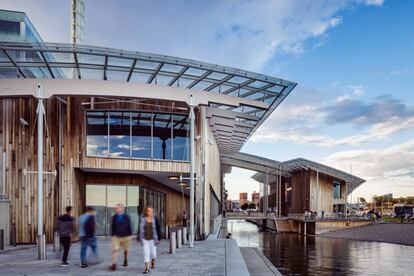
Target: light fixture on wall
x,y
173,177
289,189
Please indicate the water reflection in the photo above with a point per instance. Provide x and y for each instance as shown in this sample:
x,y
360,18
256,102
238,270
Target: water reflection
x,y
293,254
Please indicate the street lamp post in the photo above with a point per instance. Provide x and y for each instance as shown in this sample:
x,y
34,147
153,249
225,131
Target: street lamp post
x,y
41,240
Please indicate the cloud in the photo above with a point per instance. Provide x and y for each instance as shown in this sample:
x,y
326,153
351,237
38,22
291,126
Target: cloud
x,y
357,112
376,163
374,2
310,118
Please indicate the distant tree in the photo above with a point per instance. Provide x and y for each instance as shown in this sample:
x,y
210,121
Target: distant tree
x,y
252,205
245,206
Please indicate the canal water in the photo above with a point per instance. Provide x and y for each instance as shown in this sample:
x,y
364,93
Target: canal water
x,y
294,254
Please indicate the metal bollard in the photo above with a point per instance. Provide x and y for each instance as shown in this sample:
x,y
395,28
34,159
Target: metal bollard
x,y
179,238
166,232
173,241
184,235
1,239
41,239
56,242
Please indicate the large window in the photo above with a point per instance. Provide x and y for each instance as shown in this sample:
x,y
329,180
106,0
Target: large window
x,y
103,198
336,190
97,132
141,135
146,135
119,134
181,138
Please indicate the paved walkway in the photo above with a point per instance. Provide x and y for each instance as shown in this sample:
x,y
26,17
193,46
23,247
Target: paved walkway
x,y
213,257
382,232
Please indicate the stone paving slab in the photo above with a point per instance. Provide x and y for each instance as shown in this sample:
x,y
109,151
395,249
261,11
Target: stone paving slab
x,y
205,258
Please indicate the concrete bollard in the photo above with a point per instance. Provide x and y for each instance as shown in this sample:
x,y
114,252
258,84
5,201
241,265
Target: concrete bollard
x,y
1,239
56,242
173,241
184,235
179,238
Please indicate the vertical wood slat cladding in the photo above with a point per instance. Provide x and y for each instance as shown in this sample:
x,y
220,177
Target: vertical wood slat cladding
x,y
300,191
20,146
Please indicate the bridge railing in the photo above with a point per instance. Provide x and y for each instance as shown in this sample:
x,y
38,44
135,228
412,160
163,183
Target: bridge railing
x,y
244,214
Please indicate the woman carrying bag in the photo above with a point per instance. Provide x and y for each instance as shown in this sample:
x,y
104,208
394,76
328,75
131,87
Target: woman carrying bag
x,y
149,235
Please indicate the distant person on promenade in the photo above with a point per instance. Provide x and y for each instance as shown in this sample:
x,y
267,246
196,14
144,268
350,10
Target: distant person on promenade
x,y
121,234
149,234
184,218
323,214
65,228
87,226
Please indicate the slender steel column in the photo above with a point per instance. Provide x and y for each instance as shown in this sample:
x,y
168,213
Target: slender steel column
x,y
40,114
192,171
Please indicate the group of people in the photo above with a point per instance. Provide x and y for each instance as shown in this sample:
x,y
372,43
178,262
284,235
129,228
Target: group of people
x,y
148,235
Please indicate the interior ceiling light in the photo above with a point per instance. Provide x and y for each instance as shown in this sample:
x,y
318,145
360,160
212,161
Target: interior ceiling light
x,y
187,188
182,184
173,177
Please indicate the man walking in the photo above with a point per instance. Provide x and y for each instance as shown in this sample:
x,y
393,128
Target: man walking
x,y
87,226
121,234
65,228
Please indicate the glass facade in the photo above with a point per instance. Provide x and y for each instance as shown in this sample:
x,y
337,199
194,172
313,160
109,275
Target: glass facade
x,y
103,199
140,135
336,190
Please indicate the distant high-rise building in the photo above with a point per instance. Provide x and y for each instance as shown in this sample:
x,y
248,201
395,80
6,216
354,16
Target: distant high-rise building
x,y
256,198
78,22
16,27
242,198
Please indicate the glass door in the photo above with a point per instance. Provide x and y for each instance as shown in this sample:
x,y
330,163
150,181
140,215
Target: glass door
x,y
132,207
96,197
115,195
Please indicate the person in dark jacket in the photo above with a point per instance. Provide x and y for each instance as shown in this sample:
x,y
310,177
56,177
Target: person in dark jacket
x,y
121,234
87,227
149,235
65,228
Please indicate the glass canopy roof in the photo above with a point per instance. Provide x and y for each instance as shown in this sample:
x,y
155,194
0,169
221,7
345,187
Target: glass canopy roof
x,y
67,61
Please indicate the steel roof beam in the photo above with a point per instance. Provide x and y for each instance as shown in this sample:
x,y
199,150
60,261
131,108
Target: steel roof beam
x,y
155,72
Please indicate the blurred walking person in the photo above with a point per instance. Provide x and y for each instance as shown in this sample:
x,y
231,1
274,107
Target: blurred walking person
x,y
121,234
65,228
184,218
87,226
149,235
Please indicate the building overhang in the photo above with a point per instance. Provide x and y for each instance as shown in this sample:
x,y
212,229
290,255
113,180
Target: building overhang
x,y
238,101
299,164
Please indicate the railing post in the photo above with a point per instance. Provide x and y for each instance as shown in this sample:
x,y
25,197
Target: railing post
x,y
179,238
185,235
173,241
1,239
56,242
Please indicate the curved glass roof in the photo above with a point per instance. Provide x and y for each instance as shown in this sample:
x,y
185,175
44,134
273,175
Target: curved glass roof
x,y
67,61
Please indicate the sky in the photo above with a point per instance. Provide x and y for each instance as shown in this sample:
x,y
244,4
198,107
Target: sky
x,y
353,60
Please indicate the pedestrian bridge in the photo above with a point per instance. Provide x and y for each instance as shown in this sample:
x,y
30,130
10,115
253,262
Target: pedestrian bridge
x,y
242,215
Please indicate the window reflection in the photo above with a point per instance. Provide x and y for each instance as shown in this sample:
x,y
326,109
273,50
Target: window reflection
x,y
127,134
97,133
181,139
141,135
119,134
162,136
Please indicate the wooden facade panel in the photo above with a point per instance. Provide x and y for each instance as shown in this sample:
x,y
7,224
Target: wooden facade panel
x,y
19,144
135,165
